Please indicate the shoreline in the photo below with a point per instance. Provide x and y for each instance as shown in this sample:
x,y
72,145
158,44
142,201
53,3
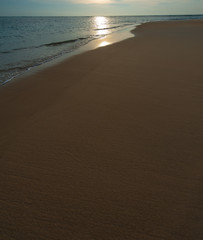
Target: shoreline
x,y
109,39
107,144
59,57
112,38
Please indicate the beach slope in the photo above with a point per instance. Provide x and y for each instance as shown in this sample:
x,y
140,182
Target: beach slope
x,y
108,144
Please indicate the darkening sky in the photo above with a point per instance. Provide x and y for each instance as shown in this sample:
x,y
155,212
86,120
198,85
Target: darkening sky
x,y
98,7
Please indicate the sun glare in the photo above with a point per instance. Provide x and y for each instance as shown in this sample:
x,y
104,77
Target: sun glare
x,y
94,1
101,22
101,25
103,1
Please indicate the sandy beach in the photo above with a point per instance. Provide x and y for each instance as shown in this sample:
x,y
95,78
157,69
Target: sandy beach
x,y
107,144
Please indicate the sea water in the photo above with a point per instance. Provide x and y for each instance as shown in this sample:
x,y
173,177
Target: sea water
x,y
27,42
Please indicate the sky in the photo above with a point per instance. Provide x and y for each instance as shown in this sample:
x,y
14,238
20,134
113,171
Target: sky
x,y
99,7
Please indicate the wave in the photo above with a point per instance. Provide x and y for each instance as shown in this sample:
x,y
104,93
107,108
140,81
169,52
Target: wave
x,y
62,42
14,69
52,44
119,26
97,29
5,52
18,49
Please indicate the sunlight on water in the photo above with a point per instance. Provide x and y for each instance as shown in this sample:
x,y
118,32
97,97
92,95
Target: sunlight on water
x,y
101,22
101,25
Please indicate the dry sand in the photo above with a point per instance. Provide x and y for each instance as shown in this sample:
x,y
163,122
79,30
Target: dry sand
x,y
108,144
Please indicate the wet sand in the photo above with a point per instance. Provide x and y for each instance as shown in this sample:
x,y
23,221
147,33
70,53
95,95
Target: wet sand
x,y
108,144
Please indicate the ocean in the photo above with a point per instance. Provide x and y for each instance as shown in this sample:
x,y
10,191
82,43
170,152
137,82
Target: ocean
x,y
27,42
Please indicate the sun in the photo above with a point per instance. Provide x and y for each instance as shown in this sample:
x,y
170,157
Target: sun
x,y
98,1
104,1
93,1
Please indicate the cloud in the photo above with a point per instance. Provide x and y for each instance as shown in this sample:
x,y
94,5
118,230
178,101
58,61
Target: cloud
x,y
79,1
85,2
113,1
93,1
122,1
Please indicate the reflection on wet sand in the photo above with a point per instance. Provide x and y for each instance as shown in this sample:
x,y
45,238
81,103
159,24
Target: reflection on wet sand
x,y
104,43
